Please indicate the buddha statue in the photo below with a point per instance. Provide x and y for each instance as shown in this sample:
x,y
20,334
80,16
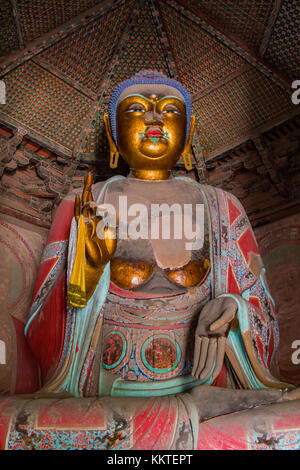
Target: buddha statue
x,y
133,313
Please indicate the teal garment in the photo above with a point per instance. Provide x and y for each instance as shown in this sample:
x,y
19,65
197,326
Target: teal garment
x,y
235,340
85,321
122,388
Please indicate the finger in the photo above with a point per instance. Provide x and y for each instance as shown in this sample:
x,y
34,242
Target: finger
x,y
77,207
110,242
197,349
90,193
226,317
93,250
104,253
95,229
86,210
86,194
204,348
220,356
88,229
93,224
211,355
93,209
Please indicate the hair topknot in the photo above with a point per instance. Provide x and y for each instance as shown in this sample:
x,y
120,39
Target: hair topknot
x,y
147,77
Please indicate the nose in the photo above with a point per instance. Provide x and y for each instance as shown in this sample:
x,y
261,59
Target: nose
x,y
153,117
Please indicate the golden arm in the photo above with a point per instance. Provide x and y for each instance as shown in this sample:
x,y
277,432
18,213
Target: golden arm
x,y
98,251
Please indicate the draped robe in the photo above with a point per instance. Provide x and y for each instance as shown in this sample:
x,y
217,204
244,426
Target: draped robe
x,y
66,342
66,339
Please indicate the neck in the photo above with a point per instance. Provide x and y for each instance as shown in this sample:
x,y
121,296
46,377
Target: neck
x,y
154,175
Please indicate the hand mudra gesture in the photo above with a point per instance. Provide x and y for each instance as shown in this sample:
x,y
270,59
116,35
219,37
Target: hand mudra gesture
x,y
210,337
98,250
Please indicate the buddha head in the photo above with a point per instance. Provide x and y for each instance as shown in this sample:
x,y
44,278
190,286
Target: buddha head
x,y
150,124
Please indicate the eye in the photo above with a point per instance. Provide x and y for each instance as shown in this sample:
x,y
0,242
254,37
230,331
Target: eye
x,y
171,110
135,109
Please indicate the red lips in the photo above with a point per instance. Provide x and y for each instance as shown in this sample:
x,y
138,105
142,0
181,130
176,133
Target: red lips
x,y
154,133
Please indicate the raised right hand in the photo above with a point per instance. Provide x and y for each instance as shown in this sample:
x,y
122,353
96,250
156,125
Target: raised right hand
x,y
98,251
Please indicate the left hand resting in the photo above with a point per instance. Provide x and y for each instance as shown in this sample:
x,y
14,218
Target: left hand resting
x,y
210,337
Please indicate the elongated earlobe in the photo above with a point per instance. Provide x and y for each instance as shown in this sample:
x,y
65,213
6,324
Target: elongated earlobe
x,y
114,157
113,150
188,146
187,161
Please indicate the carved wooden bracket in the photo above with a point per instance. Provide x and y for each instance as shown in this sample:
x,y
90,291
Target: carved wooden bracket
x,y
8,149
264,150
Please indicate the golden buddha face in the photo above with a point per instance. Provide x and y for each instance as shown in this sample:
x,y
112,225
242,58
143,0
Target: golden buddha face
x,y
151,127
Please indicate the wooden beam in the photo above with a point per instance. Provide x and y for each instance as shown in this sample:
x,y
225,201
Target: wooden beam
x,y
58,73
231,41
21,215
16,16
46,40
165,44
171,62
219,83
271,215
269,28
35,136
217,154
98,103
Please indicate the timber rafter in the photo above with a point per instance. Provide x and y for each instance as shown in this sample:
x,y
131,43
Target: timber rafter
x,y
171,62
15,12
269,27
249,54
217,154
33,48
98,103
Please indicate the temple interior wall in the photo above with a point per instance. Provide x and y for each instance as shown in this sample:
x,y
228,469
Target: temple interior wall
x,y
279,243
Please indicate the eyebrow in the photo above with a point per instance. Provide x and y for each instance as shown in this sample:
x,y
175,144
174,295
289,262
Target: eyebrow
x,y
147,99
170,96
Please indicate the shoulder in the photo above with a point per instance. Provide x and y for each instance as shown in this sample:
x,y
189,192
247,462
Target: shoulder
x,y
230,199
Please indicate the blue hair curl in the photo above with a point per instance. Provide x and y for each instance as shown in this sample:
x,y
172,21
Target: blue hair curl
x,y
147,77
